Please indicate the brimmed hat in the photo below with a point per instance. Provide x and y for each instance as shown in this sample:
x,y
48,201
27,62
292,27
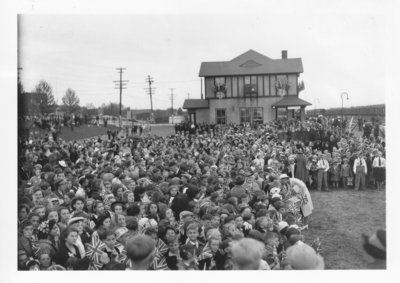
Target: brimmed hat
x,y
62,163
283,176
75,219
303,257
282,225
184,214
38,166
120,232
375,245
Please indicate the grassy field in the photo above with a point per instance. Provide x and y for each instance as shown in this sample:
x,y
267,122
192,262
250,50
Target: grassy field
x,y
162,130
83,132
339,218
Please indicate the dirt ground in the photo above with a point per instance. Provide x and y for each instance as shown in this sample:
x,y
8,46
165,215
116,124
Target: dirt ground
x,y
339,218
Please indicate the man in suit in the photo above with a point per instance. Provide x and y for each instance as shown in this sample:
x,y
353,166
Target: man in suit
x,y
301,164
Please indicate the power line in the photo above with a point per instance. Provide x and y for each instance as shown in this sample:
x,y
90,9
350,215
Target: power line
x,y
121,85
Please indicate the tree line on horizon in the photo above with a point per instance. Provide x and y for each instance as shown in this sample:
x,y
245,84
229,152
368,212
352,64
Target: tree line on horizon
x,y
71,103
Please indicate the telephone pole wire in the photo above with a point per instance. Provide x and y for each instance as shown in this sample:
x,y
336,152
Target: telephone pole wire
x,y
121,84
172,101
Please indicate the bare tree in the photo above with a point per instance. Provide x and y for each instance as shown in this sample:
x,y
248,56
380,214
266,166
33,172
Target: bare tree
x,y
70,101
44,89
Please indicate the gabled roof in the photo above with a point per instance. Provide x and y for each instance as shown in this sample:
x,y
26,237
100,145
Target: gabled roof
x,y
195,103
250,63
291,100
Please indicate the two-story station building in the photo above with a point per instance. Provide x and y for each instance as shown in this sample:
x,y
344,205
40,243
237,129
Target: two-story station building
x,y
251,88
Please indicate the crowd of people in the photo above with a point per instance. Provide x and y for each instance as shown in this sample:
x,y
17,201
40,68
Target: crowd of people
x,y
205,198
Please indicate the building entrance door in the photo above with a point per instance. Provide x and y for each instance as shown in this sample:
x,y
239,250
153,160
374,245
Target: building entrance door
x,y
192,118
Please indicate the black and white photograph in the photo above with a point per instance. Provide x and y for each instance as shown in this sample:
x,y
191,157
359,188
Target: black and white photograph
x,y
216,136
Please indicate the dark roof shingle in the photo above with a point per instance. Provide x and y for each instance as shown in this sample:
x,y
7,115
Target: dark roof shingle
x,y
291,100
250,63
195,103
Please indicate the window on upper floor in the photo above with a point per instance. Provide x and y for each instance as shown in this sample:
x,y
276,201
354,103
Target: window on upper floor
x,y
250,85
220,87
219,81
282,85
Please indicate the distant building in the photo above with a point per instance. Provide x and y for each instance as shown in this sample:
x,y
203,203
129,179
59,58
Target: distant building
x,y
250,88
176,119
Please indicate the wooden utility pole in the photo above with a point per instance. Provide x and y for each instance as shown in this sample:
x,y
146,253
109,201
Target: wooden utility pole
x,y
150,90
172,101
121,84
201,87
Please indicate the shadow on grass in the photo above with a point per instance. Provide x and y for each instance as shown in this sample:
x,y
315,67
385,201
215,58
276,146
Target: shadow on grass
x,y
339,219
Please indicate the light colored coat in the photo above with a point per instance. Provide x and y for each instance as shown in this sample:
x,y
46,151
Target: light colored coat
x,y
303,194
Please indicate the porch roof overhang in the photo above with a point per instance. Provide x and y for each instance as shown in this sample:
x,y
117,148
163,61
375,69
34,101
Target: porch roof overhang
x,y
289,101
195,104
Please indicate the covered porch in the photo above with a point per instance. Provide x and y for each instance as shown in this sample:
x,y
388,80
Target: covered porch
x,y
198,110
290,107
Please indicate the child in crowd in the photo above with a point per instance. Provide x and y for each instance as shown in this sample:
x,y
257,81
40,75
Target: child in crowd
x,y
173,255
345,174
188,257
271,246
192,232
334,171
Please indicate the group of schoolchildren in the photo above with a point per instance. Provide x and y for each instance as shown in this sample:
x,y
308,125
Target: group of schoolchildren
x,y
200,198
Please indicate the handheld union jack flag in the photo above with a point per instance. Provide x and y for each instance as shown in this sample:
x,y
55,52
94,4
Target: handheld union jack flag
x,y
94,251
159,262
206,253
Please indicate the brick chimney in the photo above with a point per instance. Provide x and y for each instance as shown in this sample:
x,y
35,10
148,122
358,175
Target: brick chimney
x,y
284,54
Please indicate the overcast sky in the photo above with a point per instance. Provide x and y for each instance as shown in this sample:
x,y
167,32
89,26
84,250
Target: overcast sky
x,y
341,51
